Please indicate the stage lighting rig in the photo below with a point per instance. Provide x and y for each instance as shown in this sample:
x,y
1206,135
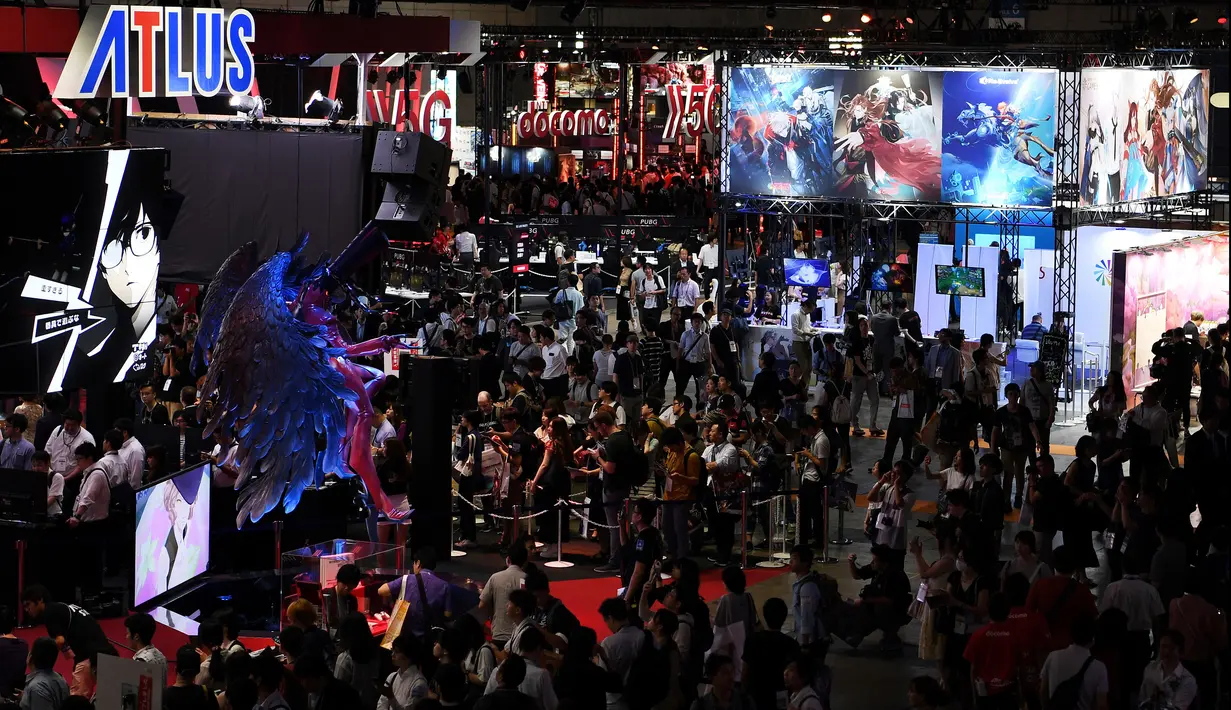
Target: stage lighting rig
x,y
17,125
319,106
252,107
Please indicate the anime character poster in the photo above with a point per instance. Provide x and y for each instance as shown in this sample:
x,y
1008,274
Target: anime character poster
x,y
887,135
79,276
1144,133
999,138
781,131
172,538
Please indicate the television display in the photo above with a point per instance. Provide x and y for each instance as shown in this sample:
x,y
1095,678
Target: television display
x,y
959,280
808,273
172,538
890,276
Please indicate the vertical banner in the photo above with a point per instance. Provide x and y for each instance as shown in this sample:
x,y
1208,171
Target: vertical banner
x,y
999,138
886,143
781,131
1144,133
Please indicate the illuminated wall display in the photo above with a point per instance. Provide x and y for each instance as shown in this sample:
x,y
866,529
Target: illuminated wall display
x,y
160,51
537,123
692,109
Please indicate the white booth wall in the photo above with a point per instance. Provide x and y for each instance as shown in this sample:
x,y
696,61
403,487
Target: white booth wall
x,y
978,314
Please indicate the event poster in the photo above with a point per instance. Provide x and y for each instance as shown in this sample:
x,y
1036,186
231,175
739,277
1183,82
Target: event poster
x,y
886,138
999,138
781,131
1144,133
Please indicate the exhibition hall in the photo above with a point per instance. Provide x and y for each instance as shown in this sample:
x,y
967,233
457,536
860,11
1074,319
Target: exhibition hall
x,y
626,354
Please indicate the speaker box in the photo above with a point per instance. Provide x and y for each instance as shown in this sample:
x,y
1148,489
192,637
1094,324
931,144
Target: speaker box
x,y
411,155
431,427
409,207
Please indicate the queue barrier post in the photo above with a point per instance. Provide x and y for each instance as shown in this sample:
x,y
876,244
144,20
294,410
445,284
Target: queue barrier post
x,y
453,551
772,562
559,562
516,521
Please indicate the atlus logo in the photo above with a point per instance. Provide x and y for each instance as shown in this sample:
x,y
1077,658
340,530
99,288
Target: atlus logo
x,y
160,51
537,123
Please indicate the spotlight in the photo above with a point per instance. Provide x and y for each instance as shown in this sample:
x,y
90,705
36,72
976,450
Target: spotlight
x,y
89,112
373,76
769,28
1183,16
321,107
571,9
771,12
827,17
441,74
394,75
1222,19
17,125
521,54
250,106
910,19
865,18
50,115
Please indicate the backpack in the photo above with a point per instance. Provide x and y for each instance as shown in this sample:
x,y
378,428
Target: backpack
x,y
840,409
640,465
1068,693
648,678
562,306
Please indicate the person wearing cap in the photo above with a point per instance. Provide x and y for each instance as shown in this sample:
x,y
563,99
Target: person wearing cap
x,y
802,334
724,344
695,355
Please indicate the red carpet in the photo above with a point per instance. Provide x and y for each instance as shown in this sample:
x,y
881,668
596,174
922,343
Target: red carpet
x,y
582,596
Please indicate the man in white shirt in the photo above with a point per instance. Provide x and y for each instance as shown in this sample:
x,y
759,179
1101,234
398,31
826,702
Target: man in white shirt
x,y
537,683
708,255
814,462
223,458
685,293
650,290
140,630
41,463
131,452
63,442
494,597
1167,683
1040,399
521,352
1069,662
802,334
555,374
799,678
568,294
111,463
89,519
620,649
467,247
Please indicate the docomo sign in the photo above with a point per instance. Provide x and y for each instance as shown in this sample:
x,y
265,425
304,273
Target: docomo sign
x,y
541,124
692,108
202,49
389,107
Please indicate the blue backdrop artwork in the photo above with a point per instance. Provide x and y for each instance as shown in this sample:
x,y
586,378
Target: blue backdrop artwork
x,y
781,135
999,138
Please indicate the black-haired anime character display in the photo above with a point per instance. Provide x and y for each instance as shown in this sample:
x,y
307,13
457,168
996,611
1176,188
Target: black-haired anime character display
x,y
887,135
78,279
999,137
1144,133
781,135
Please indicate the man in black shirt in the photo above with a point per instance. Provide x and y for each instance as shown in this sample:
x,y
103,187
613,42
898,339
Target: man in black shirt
x,y
1013,435
767,652
617,457
1050,498
592,284
329,692
725,348
550,614
644,550
506,696
629,375
71,626
882,602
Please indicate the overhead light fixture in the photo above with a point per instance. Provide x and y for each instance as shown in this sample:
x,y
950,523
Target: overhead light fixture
x,y
769,28
1183,16
910,19
865,18
442,74
250,106
654,47
320,106
1222,19
17,125
49,114
827,17
571,9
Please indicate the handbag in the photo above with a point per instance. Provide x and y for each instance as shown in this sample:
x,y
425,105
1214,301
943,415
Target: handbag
x,y
465,467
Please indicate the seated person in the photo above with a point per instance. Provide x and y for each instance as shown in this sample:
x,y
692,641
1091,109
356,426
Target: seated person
x,y
881,605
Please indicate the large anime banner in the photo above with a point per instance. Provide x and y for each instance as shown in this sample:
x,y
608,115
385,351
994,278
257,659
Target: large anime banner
x,y
887,135
999,138
79,270
781,131
1144,133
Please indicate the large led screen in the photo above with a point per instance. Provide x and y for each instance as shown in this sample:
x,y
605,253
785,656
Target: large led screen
x,y
1144,133
781,131
999,138
79,270
886,143
172,538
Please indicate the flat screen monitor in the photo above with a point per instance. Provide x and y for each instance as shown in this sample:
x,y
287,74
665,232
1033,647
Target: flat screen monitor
x,y
808,273
890,276
172,536
959,280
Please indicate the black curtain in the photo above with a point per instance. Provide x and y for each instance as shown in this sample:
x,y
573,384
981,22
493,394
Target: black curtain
x,y
265,186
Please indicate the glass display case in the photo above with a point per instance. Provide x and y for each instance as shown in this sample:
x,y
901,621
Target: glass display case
x,y
319,563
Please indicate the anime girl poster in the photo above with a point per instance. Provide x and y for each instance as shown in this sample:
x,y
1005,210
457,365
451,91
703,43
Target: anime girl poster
x,y
887,135
781,133
999,137
1144,133
172,538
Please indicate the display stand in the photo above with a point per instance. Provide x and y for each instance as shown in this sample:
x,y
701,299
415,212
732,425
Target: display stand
x,y
774,561
559,562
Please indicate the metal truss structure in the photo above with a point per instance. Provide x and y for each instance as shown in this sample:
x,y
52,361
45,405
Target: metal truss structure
x,y
214,122
1066,198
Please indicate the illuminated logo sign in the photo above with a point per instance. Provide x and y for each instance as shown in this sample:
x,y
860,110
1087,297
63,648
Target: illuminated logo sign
x,y
432,114
160,51
691,109
538,123
519,261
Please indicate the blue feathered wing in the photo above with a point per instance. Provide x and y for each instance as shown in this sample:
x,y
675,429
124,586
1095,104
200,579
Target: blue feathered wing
x,y
279,392
231,276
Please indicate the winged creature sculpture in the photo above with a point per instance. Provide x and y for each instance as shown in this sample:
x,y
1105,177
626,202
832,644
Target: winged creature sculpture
x,y
284,380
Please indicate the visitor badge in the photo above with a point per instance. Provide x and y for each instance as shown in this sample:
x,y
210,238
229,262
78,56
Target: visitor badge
x,y
959,626
166,386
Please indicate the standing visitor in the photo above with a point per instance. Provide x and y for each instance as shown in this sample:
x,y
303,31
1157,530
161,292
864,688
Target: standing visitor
x,y
802,334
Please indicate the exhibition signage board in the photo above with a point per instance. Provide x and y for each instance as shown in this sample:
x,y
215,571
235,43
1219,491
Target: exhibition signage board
x,y
1144,133
432,112
1051,354
691,110
959,136
160,51
539,123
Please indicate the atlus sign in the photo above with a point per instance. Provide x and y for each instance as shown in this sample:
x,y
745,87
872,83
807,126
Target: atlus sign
x,y
537,123
160,51
692,108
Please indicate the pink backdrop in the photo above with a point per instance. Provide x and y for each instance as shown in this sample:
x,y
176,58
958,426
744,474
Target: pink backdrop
x,y
1191,276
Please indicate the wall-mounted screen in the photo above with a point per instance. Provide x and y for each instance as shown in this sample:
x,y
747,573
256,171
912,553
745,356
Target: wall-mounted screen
x,y
172,537
890,276
959,281
1144,133
999,138
808,273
